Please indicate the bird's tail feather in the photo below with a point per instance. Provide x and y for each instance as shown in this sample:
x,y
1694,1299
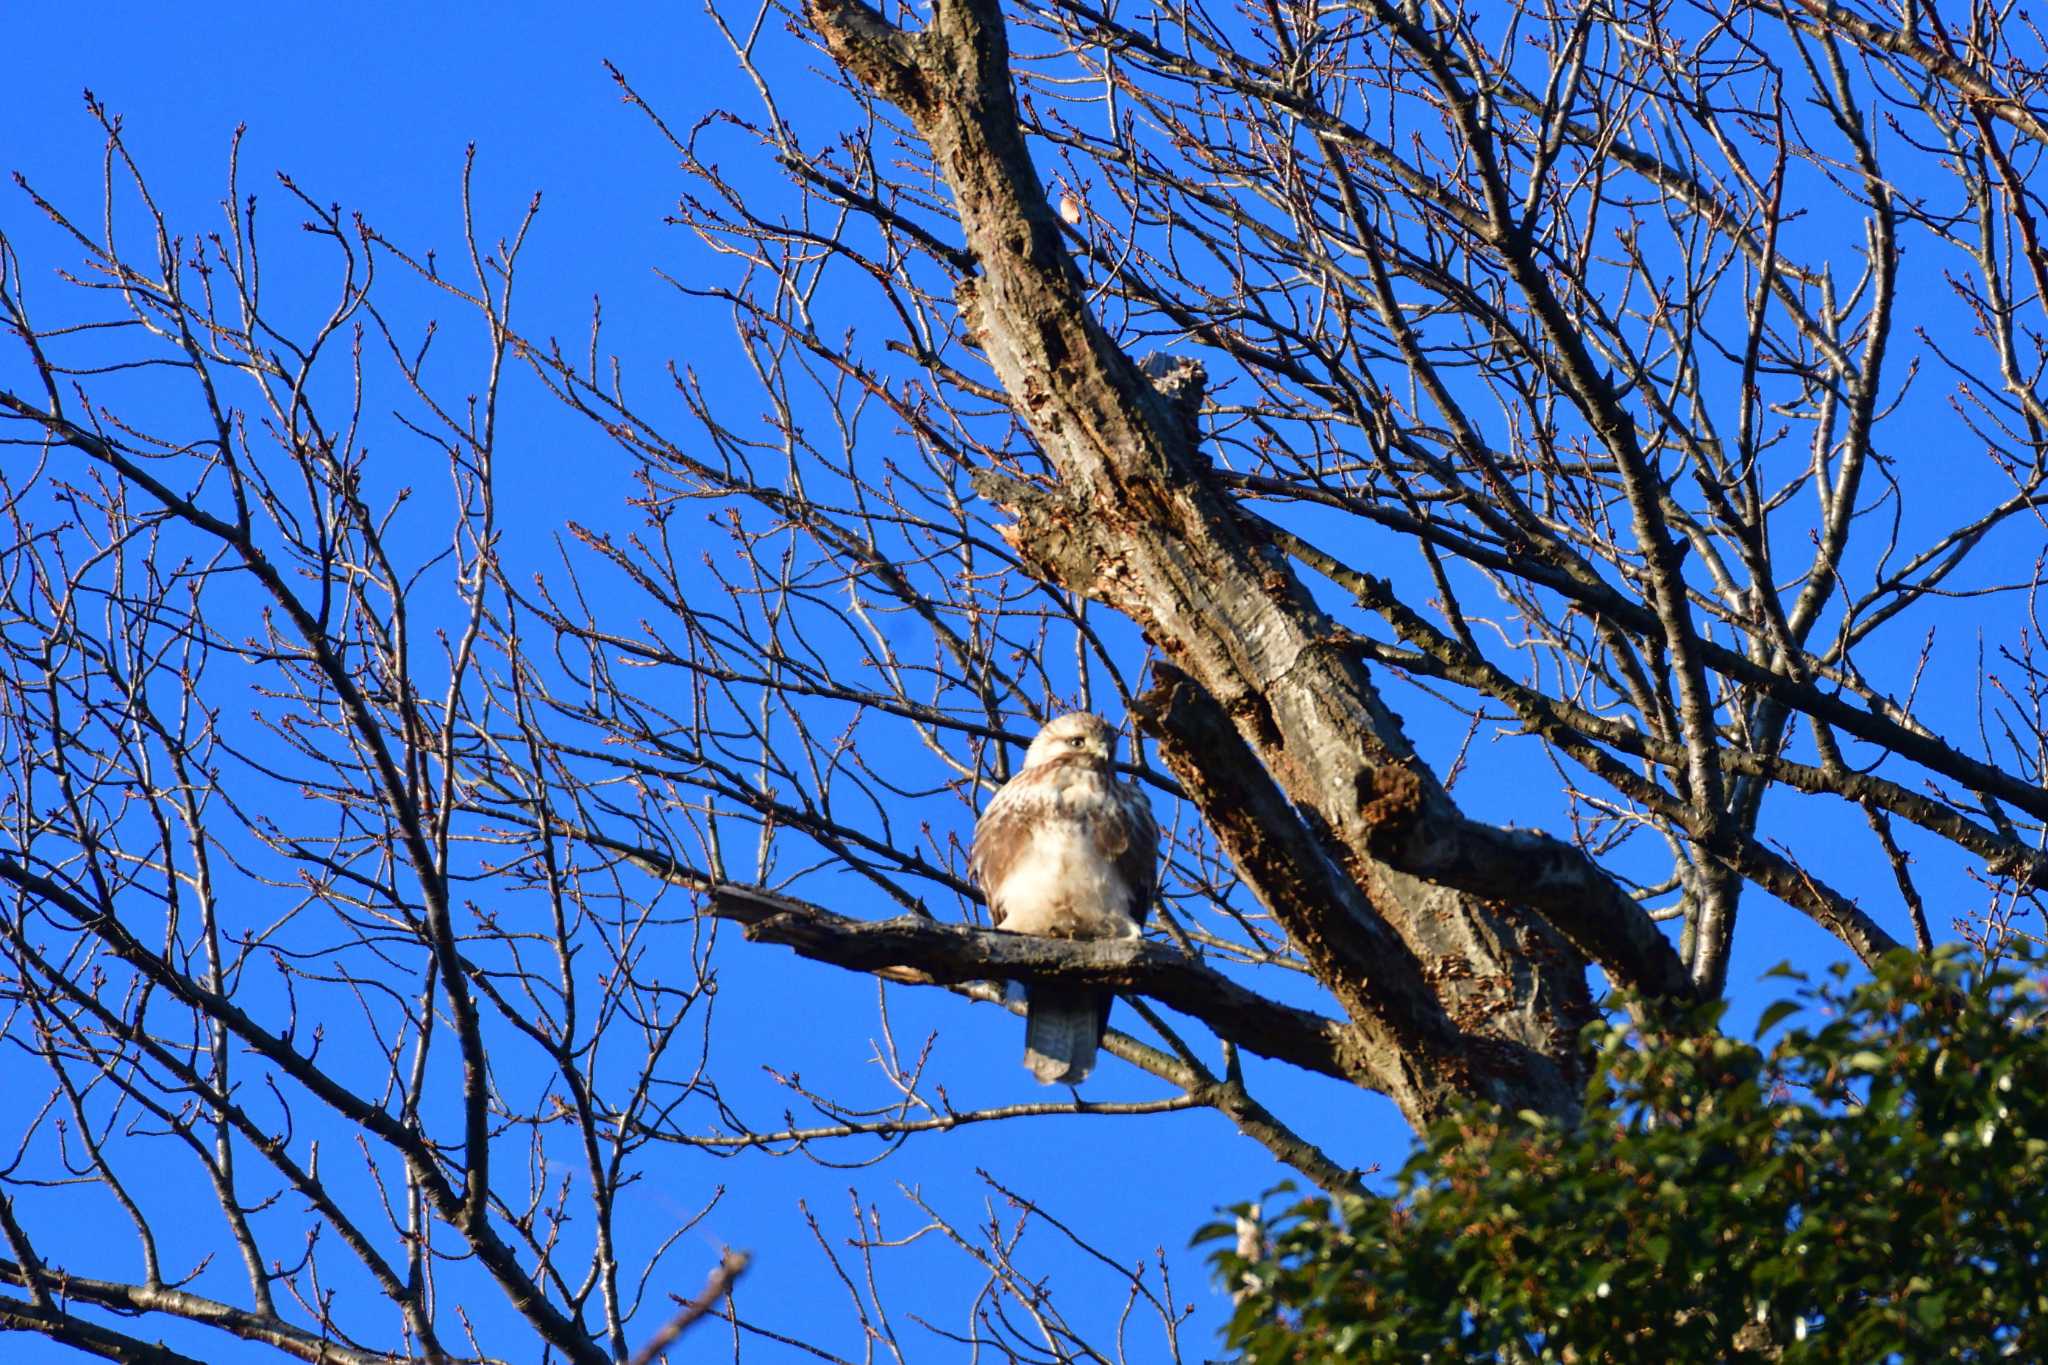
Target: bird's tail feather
x,y
1062,1029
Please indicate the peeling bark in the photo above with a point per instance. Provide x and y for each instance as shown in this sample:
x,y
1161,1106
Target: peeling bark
x,y
1162,545
919,951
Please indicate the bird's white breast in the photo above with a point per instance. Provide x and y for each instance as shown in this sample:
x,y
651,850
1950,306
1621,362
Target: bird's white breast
x,y
1062,884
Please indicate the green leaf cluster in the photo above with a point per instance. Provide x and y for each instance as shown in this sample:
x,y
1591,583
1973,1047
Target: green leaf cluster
x,y
1867,1187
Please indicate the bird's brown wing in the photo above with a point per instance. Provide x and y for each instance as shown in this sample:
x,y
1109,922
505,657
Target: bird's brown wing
x,y
1129,837
1003,834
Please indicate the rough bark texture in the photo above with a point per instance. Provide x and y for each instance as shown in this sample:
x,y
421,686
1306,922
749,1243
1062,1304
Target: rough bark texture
x,y
1503,360
951,954
1162,545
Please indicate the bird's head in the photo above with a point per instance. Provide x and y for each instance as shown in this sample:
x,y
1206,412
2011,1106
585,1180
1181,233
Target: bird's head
x,y
1076,735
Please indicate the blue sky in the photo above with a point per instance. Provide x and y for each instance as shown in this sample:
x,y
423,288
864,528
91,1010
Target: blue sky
x,y
373,106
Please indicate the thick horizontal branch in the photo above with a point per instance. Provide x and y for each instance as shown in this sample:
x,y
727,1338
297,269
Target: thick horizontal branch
x,y
249,1326
921,951
17,1315
788,1140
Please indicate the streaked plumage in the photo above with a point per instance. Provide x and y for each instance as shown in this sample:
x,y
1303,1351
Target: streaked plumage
x,y
1067,850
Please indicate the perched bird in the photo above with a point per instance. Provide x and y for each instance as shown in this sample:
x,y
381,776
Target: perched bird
x,y
1067,850
1070,207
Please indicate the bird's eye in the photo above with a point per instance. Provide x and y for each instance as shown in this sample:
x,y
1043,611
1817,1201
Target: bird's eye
x,y
1077,741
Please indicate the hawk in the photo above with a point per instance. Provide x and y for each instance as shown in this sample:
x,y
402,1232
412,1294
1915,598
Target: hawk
x,y
1068,851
